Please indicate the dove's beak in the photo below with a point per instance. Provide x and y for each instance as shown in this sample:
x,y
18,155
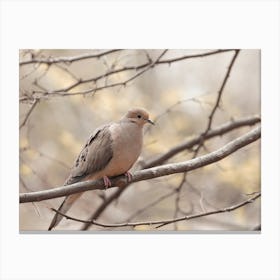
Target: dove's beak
x,y
149,121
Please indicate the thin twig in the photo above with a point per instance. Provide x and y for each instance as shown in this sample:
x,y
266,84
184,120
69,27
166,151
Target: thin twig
x,y
35,102
151,204
178,195
148,65
220,92
66,59
135,68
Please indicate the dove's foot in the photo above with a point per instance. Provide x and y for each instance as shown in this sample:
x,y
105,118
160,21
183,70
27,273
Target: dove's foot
x,y
107,182
128,175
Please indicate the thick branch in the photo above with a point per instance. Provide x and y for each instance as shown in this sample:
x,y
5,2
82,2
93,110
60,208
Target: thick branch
x,y
146,174
164,222
218,131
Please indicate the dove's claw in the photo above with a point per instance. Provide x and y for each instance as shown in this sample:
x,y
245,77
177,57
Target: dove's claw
x,y
128,175
107,182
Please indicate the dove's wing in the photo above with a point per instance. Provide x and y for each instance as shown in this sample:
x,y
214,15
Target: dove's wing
x,y
94,157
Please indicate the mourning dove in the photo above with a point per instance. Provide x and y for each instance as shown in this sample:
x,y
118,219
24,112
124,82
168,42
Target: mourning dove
x,y
111,150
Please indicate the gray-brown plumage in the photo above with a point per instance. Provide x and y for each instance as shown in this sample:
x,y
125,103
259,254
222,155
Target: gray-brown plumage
x,y
111,150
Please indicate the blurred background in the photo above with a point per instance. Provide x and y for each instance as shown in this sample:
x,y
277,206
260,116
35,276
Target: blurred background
x,y
66,94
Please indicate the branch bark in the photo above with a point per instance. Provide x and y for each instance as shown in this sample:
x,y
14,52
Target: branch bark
x,y
146,174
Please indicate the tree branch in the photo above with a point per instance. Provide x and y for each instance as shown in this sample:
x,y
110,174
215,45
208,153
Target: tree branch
x,y
147,65
218,131
35,102
66,59
164,222
146,174
217,104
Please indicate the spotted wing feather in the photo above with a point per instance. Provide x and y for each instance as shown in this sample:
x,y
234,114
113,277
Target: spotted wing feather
x,y
94,157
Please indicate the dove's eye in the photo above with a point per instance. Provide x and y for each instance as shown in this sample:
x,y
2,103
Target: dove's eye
x,y
139,116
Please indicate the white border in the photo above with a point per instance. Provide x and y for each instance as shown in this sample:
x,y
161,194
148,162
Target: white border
x,y
190,24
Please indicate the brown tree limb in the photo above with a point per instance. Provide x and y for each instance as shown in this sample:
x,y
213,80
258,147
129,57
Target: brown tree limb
x,y
218,131
163,222
146,174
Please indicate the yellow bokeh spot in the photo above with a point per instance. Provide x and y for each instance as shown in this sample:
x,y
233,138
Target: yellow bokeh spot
x,y
171,96
142,227
69,141
25,170
23,142
244,175
31,154
240,215
59,77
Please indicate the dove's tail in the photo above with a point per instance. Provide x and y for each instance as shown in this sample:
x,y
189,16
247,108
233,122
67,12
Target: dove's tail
x,y
63,208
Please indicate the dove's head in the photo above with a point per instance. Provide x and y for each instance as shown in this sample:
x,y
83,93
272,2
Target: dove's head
x,y
138,116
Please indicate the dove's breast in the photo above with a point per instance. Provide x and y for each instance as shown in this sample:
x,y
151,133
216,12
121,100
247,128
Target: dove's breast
x,y
127,140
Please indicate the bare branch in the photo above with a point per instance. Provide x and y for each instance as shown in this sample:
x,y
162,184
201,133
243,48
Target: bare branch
x,y
178,196
148,65
171,60
66,59
137,68
146,174
35,102
218,131
220,92
164,222
152,64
